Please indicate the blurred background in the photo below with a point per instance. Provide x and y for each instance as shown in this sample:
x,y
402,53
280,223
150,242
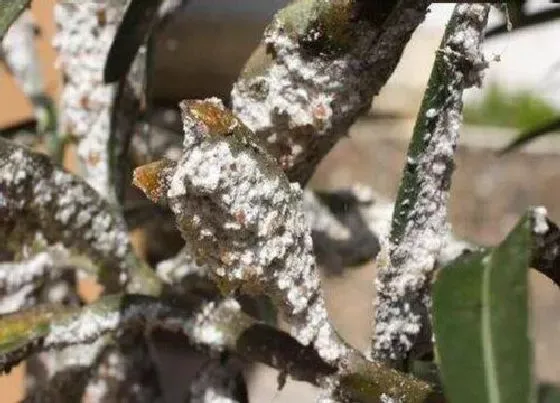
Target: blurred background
x,y
201,53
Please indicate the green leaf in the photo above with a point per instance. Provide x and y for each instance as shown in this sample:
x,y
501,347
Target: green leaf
x,y
9,12
481,323
532,134
137,24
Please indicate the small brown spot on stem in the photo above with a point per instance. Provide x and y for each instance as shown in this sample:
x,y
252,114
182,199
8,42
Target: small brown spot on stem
x,y
102,17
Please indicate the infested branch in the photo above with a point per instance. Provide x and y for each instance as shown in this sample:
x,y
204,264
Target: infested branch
x,y
242,217
36,196
316,70
244,222
419,224
21,281
55,327
217,325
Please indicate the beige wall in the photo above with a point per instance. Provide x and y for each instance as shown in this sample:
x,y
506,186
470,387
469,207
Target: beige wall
x,y
14,107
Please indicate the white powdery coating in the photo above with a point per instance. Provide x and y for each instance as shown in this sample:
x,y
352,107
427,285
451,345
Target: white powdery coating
x,y
304,93
62,206
87,327
305,98
328,385
206,327
175,269
378,214
21,56
453,248
327,342
14,275
19,281
81,355
384,398
85,31
403,280
244,200
170,6
104,235
94,322
16,301
112,370
539,215
308,103
246,220
320,218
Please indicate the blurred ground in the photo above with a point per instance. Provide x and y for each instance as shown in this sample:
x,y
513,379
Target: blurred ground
x,y
489,193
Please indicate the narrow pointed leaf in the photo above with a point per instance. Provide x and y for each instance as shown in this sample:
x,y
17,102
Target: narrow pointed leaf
x,y
531,135
137,23
9,12
481,323
124,116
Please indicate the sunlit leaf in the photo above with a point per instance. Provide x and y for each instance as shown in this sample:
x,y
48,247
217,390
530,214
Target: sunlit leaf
x,y
481,323
9,12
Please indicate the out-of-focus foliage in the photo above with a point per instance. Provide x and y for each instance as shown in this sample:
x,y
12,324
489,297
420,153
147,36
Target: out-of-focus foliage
x,y
521,110
518,17
550,127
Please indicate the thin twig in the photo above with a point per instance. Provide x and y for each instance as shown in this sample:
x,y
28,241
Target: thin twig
x,y
35,195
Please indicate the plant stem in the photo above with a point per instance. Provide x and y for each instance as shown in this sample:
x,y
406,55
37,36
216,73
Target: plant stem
x,y
419,224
